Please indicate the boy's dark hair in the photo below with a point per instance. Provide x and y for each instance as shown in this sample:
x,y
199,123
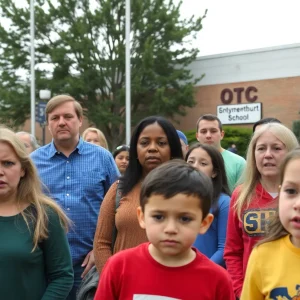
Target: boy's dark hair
x,y
265,121
220,184
209,117
178,177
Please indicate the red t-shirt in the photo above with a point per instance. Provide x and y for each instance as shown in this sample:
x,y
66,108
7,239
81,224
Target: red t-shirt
x,y
242,236
134,274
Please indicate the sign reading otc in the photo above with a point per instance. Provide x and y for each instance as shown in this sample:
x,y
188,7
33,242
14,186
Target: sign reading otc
x,y
239,113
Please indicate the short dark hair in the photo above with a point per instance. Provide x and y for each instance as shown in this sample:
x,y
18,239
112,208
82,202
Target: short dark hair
x,y
134,171
177,177
120,149
220,184
209,117
265,121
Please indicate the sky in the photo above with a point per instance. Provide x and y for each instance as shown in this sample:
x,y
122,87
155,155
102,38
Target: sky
x,y
236,25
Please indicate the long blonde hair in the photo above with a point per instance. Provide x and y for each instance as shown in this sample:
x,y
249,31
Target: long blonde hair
x,y
100,134
275,229
30,192
251,174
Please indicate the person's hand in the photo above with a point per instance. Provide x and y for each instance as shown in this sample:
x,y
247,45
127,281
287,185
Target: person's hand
x,y
88,263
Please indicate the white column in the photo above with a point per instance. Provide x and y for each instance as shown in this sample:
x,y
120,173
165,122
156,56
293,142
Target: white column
x,y
128,73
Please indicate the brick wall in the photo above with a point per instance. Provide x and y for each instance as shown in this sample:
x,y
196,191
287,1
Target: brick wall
x,y
280,98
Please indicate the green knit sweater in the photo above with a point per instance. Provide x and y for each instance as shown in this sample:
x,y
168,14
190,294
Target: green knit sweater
x,y
46,273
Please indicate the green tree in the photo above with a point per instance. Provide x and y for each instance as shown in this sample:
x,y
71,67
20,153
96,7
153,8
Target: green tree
x,y
80,50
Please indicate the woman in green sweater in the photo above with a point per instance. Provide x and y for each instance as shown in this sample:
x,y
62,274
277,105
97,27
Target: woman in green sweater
x,y
35,260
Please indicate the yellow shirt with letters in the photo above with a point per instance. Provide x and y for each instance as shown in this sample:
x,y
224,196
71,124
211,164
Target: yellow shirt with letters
x,y
273,272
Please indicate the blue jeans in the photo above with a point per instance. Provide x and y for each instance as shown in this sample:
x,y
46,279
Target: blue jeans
x,y
78,270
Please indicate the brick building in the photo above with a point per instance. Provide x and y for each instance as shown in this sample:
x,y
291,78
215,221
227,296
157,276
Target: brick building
x,y
264,80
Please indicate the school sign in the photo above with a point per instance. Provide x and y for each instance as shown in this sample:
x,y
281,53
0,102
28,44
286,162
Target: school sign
x,y
239,113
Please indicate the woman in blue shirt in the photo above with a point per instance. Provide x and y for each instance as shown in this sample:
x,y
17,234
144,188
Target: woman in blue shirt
x,y
209,160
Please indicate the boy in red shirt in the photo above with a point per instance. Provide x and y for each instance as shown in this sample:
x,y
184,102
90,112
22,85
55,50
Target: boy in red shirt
x,y
174,208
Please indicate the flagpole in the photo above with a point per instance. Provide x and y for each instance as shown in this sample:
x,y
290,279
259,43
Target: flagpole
x,y
32,71
128,73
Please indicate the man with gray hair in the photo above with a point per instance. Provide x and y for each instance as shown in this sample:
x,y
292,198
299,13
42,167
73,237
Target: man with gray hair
x,y
29,141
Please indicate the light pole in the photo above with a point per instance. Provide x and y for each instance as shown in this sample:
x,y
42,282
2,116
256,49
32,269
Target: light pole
x,y
128,73
32,72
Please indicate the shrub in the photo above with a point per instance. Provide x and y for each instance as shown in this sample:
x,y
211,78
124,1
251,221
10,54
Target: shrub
x,y
233,135
296,129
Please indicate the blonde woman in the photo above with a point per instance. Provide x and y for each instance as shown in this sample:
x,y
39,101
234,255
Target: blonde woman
x,y
95,136
255,200
35,258
273,267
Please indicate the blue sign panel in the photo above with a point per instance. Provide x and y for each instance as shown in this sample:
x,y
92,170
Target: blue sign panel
x,y
40,115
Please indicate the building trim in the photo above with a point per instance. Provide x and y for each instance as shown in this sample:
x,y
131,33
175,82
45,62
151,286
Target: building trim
x,y
250,65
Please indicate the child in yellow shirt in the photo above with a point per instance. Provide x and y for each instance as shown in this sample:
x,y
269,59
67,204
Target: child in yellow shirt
x,y
273,270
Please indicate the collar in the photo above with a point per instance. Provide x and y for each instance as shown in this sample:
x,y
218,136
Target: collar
x,y
261,192
53,150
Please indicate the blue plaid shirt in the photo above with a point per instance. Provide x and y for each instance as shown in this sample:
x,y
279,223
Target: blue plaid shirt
x,y
78,183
